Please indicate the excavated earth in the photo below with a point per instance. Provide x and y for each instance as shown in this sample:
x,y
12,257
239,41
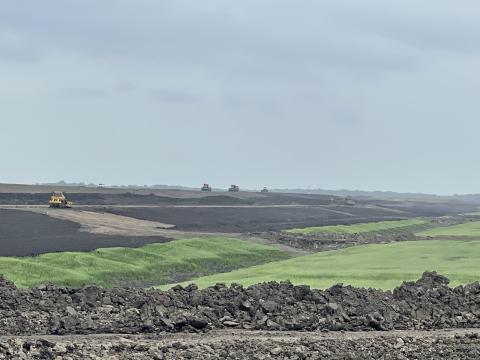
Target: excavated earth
x,y
333,241
428,303
24,233
164,325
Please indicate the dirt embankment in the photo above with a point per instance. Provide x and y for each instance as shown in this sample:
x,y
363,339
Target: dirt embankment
x,y
249,345
332,241
426,304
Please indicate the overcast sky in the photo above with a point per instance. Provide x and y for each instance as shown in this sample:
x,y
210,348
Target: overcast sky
x,y
373,95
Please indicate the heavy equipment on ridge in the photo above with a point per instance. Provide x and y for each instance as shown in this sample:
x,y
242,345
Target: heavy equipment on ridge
x,y
58,200
234,188
206,187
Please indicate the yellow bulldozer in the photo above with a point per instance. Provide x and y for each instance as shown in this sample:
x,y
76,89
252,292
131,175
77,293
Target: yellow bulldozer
x,y
58,200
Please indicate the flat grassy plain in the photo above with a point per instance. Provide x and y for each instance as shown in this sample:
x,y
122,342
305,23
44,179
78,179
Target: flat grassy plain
x,y
382,266
467,229
379,226
151,264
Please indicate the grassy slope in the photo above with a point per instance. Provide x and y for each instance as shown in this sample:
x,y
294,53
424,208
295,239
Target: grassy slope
x,y
466,229
380,226
379,266
155,263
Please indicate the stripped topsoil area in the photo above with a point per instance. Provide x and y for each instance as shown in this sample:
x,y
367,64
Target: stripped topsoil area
x,y
25,233
249,219
426,304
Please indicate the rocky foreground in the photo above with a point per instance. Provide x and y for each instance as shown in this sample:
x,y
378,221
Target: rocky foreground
x,y
243,344
265,321
425,304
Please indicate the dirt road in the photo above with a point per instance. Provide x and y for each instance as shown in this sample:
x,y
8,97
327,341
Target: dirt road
x,y
103,223
457,344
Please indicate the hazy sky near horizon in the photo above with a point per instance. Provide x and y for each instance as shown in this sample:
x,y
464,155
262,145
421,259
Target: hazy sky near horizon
x,y
372,94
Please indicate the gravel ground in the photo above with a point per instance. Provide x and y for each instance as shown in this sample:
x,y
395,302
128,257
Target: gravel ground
x,y
394,345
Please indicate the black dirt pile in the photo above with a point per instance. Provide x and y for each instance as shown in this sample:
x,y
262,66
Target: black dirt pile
x,y
24,233
426,304
247,219
248,346
332,241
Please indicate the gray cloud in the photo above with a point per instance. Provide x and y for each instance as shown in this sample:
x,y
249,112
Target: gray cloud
x,y
334,93
124,86
169,96
82,93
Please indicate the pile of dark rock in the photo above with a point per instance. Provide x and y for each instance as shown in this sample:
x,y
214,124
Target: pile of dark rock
x,y
333,241
428,303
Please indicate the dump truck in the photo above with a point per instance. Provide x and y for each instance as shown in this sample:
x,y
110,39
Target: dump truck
x,y
58,200
234,188
206,187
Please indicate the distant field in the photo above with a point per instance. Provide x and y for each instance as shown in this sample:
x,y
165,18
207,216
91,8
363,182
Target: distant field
x,y
152,264
467,229
378,266
381,226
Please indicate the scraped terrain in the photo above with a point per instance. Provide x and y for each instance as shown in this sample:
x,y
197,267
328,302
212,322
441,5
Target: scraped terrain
x,y
249,218
24,233
104,223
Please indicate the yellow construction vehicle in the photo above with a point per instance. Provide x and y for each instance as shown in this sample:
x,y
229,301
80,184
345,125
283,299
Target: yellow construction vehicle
x,y
58,200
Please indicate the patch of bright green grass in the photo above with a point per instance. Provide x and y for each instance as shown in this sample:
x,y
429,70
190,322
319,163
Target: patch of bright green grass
x,y
380,226
151,264
382,266
467,229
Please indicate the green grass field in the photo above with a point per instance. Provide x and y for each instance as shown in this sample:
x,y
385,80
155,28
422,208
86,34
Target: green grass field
x,y
380,226
467,229
148,265
378,266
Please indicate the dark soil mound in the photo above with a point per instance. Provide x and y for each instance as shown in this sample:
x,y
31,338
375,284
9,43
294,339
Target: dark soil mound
x,y
23,233
426,304
244,219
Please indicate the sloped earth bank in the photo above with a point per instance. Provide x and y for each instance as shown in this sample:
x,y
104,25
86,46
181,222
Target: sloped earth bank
x,y
250,345
332,241
423,305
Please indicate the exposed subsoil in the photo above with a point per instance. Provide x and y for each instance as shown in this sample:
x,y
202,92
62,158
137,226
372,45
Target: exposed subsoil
x,y
400,345
247,219
426,304
333,241
24,233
